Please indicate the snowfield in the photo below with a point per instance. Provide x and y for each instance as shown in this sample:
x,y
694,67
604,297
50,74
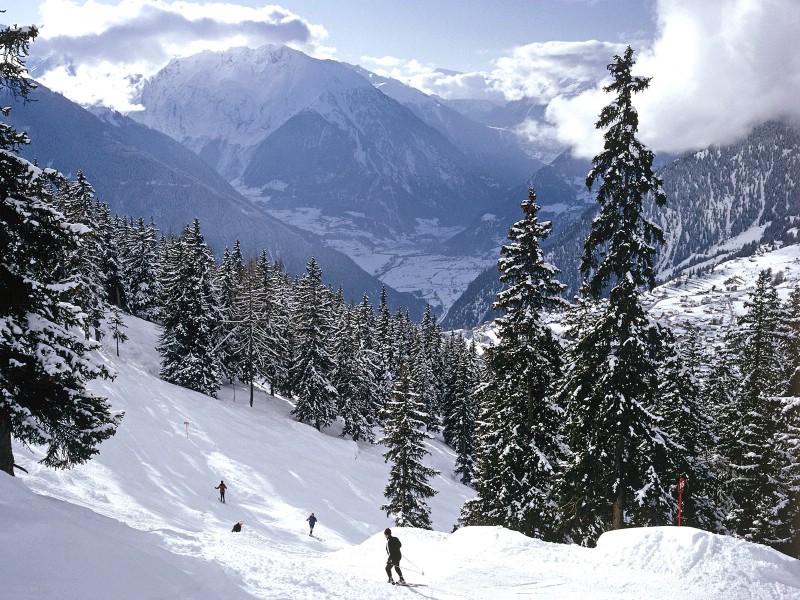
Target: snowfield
x,y
142,521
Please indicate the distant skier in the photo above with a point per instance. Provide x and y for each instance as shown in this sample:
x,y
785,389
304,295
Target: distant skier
x,y
312,520
221,487
393,550
237,527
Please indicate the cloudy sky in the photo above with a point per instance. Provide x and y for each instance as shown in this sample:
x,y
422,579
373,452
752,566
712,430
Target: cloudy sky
x,y
719,67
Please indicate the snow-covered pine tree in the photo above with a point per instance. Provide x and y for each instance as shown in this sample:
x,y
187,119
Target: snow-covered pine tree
x,y
718,392
618,473
278,309
498,451
404,337
523,368
791,342
116,325
228,282
191,318
689,422
77,200
250,330
427,365
404,437
384,334
463,379
313,365
110,265
352,377
788,451
790,440
44,365
424,373
141,270
380,379
757,457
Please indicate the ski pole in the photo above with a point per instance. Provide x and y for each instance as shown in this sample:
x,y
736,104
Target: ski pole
x,y
420,571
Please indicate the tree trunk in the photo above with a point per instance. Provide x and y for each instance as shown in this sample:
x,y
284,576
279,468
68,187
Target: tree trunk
x,y
6,454
251,393
618,505
617,510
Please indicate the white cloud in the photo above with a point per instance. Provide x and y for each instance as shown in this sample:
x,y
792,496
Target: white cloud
x,y
540,71
718,69
429,79
92,51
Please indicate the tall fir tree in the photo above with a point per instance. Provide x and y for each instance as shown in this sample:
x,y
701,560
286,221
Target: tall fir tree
x,y
758,437
191,318
353,377
375,361
463,370
252,337
229,279
687,418
517,462
404,436
791,342
78,202
277,310
110,261
618,473
384,334
313,365
141,266
44,365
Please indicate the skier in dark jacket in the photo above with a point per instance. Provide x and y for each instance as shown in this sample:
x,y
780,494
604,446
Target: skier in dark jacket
x,y
393,550
237,527
312,520
221,487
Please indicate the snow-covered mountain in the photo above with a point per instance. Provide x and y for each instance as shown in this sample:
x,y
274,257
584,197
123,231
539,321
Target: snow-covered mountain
x,y
142,519
302,132
141,172
494,152
724,200
377,170
721,202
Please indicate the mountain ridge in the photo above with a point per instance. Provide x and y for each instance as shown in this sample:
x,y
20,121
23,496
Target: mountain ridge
x,y
141,172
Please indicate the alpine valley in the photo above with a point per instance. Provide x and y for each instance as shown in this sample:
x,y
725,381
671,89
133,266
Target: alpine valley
x,y
390,185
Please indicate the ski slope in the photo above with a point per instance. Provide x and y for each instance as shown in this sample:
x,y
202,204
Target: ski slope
x,y
142,521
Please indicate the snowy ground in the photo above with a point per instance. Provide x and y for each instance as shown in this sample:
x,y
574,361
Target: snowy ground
x,y
142,521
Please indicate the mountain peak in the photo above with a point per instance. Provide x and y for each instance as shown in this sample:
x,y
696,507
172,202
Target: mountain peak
x,y
241,93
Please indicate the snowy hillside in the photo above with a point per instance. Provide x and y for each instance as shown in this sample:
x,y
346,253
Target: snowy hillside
x,y
712,301
142,521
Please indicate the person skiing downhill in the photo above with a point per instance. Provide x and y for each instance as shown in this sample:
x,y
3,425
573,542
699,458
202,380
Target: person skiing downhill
x,y
393,550
312,520
221,487
237,527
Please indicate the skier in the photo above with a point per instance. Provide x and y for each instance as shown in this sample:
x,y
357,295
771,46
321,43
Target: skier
x,y
237,527
393,550
312,520
221,487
